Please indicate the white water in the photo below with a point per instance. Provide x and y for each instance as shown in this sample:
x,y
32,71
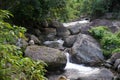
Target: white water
x,y
80,68
76,22
58,41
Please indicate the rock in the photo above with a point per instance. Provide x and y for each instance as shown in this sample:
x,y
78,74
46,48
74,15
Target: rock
x,y
35,39
44,23
74,29
86,50
117,63
118,68
37,32
72,74
102,74
102,22
55,59
68,42
55,24
57,44
21,43
62,32
114,57
50,33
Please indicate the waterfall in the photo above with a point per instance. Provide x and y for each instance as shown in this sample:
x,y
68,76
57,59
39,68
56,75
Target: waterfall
x,y
81,68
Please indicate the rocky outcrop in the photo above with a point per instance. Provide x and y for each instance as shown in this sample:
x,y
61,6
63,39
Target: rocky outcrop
x,y
55,59
86,50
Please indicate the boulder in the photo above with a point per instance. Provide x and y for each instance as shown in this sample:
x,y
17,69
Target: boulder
x,y
86,50
57,44
35,39
68,42
55,24
114,26
114,57
103,22
55,59
74,29
72,74
117,63
62,32
102,74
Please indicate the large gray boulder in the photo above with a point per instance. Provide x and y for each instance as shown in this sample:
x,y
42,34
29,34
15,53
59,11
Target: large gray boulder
x,y
55,59
102,74
86,50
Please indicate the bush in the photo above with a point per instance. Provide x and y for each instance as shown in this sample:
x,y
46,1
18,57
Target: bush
x,y
108,40
98,32
13,66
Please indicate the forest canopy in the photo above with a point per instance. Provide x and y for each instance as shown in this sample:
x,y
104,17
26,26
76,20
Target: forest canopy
x,y
35,11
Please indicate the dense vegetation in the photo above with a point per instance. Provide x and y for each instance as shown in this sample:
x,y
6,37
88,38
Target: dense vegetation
x,y
36,11
30,13
13,66
110,42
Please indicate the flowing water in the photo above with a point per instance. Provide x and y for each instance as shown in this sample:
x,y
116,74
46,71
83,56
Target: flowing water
x,y
76,22
81,68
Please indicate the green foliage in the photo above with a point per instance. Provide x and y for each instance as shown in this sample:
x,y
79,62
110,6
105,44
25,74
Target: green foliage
x,y
13,66
116,50
108,40
98,32
94,7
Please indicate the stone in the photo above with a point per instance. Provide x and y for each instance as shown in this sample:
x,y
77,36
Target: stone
x,y
69,41
62,32
55,59
86,50
74,29
102,74
35,39
117,63
114,57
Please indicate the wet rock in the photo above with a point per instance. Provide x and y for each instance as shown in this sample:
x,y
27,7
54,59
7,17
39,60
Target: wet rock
x,y
114,57
68,42
117,63
55,59
86,50
57,44
102,74
72,74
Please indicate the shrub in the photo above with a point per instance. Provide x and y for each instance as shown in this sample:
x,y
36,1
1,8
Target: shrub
x,y
98,32
13,66
108,40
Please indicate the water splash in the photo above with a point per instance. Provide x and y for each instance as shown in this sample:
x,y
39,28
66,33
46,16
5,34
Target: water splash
x,y
81,68
75,23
